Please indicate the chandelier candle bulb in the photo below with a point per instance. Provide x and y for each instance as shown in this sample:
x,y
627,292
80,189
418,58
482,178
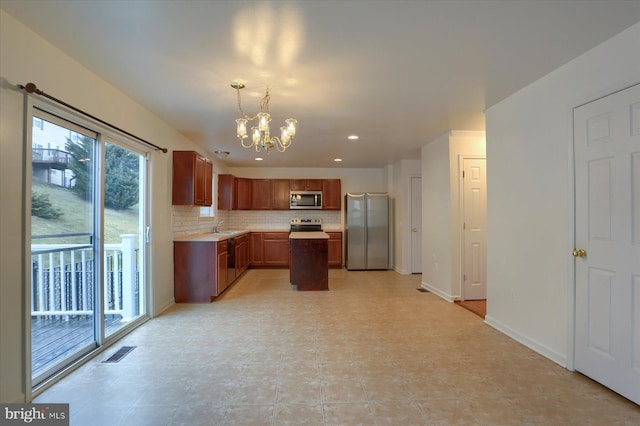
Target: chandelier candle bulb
x,y
242,128
284,136
263,121
291,126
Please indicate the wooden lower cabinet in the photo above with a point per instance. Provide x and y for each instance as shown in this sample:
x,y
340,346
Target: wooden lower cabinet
x,y
256,253
200,271
223,267
275,248
242,254
200,268
269,249
195,271
335,249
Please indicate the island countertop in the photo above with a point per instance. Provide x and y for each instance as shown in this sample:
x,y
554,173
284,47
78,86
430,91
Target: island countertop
x,y
314,235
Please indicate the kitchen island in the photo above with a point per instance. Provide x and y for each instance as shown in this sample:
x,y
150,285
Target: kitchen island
x,y
309,269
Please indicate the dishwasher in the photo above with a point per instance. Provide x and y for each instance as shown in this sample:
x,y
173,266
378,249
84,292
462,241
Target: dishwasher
x,y
231,260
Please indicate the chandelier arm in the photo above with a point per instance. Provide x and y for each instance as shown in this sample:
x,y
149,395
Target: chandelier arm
x,y
278,144
246,146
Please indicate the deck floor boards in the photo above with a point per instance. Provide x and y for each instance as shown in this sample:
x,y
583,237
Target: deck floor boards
x,y
52,339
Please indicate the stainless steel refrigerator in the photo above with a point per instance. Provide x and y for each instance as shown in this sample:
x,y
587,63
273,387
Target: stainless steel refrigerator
x,y
367,231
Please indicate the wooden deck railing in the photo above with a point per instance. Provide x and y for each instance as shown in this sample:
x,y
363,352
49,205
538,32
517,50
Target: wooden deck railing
x,y
62,279
48,155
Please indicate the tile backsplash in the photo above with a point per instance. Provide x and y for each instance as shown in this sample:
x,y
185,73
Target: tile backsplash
x,y
186,220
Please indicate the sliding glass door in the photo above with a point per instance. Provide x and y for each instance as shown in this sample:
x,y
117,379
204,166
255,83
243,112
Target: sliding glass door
x,y
63,244
123,236
87,247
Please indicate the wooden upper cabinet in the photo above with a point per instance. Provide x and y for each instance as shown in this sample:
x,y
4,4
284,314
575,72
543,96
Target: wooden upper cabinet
x,y
261,194
298,184
306,184
331,194
192,175
280,189
243,197
208,183
225,192
234,193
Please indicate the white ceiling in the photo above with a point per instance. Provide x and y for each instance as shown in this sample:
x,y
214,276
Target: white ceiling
x,y
397,73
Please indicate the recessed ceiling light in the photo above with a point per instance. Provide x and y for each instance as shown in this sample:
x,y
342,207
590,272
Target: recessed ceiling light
x,y
258,158
337,160
353,137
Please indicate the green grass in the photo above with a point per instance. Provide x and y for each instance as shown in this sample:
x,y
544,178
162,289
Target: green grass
x,y
76,216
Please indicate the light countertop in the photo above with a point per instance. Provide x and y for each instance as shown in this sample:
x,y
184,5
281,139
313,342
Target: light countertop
x,y
318,235
221,236
225,235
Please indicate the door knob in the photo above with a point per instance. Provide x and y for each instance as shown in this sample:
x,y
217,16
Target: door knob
x,y
414,230
579,253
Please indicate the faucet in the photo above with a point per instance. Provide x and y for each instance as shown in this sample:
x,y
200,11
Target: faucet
x,y
216,227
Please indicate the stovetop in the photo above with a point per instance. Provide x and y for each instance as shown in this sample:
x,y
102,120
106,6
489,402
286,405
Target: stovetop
x,y
305,225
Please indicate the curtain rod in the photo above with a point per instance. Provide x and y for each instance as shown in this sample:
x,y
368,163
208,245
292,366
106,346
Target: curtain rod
x,y
32,88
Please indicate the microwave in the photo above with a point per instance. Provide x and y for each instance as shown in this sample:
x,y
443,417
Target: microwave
x,y
310,200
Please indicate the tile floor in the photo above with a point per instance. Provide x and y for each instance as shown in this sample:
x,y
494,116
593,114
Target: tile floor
x,y
371,351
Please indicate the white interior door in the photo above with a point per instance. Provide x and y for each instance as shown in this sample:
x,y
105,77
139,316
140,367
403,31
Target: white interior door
x,y
607,185
474,234
416,225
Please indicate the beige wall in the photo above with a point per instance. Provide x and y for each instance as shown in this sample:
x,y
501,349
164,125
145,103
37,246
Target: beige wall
x,y
399,189
441,209
26,57
436,217
530,198
12,313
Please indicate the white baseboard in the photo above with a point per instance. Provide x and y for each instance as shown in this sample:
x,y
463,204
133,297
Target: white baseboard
x,y
163,307
532,344
401,271
437,292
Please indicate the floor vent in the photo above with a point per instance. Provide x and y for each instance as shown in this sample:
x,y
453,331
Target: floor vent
x,y
120,353
422,290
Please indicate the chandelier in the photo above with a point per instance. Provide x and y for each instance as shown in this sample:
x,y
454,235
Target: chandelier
x,y
260,134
